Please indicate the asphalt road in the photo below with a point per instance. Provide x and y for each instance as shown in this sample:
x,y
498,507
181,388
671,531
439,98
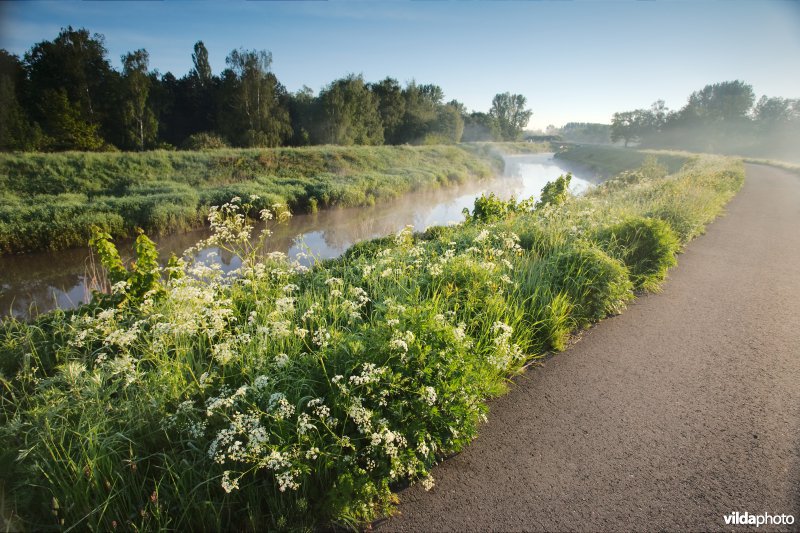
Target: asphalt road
x,y
683,409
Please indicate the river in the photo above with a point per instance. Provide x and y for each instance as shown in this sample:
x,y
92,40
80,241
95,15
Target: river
x,y
40,282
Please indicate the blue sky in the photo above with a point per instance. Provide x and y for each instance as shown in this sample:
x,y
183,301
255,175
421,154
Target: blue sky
x,y
574,61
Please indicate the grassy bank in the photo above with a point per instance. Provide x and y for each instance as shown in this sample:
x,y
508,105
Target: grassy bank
x,y
606,161
288,398
49,201
785,165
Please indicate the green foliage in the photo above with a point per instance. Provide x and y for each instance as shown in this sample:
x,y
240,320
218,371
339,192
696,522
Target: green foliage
x,y
595,283
204,141
254,115
109,256
141,124
348,114
510,113
144,278
491,208
555,192
646,246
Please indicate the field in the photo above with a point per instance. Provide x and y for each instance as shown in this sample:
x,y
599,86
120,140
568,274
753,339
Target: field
x,y
50,201
285,398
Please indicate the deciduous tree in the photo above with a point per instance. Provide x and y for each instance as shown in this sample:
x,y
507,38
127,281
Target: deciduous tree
x,y
509,111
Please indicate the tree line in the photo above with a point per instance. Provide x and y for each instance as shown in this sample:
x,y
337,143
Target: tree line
x,y
64,94
721,117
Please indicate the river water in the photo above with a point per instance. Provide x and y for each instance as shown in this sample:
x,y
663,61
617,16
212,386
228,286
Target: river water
x,y
36,283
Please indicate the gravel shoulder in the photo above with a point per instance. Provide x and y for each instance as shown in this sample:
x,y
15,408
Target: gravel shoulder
x,y
683,409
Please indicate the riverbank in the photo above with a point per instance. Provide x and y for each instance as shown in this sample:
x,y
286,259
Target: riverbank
x,y
286,398
50,201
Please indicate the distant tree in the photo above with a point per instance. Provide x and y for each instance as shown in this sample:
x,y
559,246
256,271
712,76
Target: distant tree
x,y
721,102
509,111
348,113
66,128
141,127
585,132
202,68
480,127
74,62
260,117
776,110
626,126
448,127
391,107
421,110
16,130
302,111
458,106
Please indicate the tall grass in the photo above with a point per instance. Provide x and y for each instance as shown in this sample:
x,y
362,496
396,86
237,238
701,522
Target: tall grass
x,y
289,398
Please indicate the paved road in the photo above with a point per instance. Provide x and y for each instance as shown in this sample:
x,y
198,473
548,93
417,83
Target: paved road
x,y
682,409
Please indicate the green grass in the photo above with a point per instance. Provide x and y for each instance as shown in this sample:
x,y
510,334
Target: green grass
x,y
606,161
294,399
50,201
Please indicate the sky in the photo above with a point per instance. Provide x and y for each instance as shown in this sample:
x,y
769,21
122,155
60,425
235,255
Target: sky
x,y
578,60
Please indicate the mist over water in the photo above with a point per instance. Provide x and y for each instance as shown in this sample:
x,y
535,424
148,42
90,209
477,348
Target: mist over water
x,y
38,283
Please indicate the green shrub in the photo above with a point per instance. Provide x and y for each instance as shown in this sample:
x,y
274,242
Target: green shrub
x,y
555,192
204,141
647,246
595,283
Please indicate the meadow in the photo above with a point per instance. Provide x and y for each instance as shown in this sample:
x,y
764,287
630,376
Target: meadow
x,y
288,398
50,201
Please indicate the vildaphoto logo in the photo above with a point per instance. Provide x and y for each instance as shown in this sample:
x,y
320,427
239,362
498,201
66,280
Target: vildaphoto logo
x,y
758,520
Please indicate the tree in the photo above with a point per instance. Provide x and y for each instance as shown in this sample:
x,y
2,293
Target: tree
x,y
348,113
626,125
480,127
391,107
66,129
301,111
16,130
448,127
202,68
74,62
721,102
509,111
141,126
776,110
259,102
421,109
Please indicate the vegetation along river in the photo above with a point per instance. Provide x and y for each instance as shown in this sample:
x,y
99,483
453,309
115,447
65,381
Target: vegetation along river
x,y
40,282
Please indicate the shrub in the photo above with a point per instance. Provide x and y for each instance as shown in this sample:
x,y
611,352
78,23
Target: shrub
x,y
597,284
204,141
555,192
647,246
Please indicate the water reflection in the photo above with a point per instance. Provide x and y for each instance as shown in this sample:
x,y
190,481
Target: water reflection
x,y
41,282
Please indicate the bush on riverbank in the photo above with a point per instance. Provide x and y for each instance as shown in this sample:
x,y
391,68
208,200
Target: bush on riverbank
x,y
288,398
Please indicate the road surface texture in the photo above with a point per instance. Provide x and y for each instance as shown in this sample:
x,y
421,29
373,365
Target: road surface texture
x,y
683,409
